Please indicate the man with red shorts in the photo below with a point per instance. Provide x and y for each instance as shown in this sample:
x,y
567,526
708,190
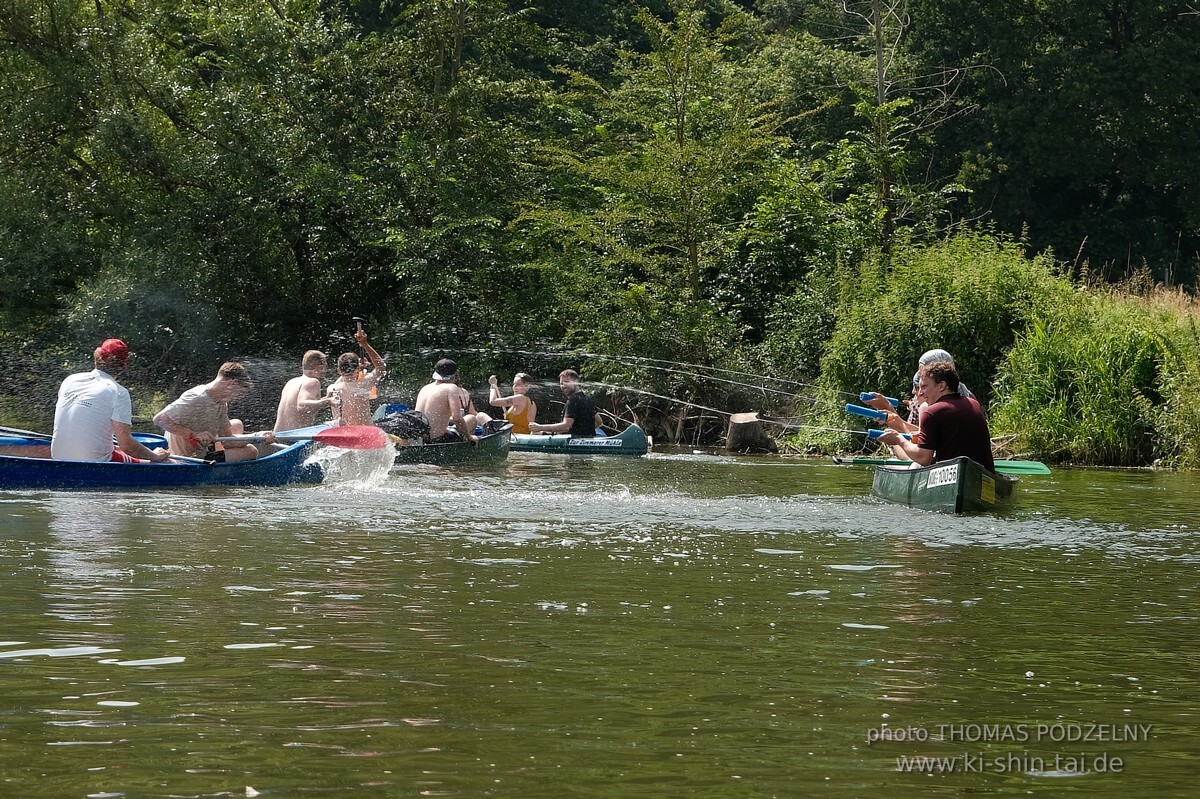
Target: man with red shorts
x,y
94,409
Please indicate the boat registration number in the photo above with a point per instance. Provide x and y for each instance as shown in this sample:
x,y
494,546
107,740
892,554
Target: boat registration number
x,y
987,490
942,476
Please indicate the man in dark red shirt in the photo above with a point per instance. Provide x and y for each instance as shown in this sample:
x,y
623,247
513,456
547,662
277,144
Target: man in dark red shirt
x,y
951,425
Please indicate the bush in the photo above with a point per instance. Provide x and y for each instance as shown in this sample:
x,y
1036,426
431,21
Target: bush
x,y
1102,379
972,295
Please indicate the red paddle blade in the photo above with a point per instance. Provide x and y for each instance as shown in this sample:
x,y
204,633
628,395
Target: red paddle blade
x,y
353,437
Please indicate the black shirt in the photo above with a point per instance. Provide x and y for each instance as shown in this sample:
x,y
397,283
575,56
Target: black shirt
x,y
582,412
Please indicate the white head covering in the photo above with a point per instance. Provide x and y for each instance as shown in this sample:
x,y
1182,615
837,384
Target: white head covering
x,y
933,356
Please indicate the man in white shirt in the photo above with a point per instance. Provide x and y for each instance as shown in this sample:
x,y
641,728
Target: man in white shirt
x,y
93,408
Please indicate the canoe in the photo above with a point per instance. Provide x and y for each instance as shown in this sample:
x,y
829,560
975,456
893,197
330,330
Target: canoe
x,y
492,446
1002,466
630,441
959,485
25,463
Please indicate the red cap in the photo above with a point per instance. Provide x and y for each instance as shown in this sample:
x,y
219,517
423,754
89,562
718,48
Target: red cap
x,y
113,350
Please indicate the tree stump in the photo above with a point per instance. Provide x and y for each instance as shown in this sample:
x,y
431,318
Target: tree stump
x,y
745,434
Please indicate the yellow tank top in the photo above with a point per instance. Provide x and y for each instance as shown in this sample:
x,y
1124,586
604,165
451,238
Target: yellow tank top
x,y
520,421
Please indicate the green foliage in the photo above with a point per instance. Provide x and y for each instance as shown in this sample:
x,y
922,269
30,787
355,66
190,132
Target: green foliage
x,y
697,181
1105,378
1084,383
662,167
971,294
1082,126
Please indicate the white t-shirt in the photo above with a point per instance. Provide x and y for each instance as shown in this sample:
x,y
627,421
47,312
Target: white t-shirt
x,y
88,404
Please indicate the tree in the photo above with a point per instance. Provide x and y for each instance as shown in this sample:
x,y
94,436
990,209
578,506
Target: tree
x,y
661,169
1084,132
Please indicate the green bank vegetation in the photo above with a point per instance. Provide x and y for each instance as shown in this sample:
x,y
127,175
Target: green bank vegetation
x,y
1072,371
809,190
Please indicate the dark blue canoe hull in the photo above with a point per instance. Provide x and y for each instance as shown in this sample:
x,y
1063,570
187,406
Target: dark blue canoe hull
x,y
279,468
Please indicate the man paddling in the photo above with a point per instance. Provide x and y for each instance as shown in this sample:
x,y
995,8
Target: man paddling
x,y
579,417
201,415
93,409
951,425
351,392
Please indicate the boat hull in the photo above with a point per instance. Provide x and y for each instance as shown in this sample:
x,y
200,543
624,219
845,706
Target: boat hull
x,y
959,485
22,471
491,447
630,441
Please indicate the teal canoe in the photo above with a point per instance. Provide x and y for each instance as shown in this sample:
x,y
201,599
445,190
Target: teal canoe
x,y
630,441
959,485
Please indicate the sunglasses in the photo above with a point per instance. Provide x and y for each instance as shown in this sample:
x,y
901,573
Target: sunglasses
x,y
348,366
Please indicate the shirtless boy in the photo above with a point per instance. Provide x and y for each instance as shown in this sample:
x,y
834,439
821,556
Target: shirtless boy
x,y
444,401
301,399
351,393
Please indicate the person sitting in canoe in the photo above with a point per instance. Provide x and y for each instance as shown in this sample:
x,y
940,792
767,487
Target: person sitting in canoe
x,y
951,425
351,392
448,408
301,399
93,409
579,417
880,403
519,409
201,415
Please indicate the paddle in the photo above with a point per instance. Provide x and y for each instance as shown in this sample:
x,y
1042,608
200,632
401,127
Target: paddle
x,y
362,436
1002,466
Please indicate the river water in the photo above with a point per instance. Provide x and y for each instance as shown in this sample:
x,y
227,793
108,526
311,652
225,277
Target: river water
x,y
676,625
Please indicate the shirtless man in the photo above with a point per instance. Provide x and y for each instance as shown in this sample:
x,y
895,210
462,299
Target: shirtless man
x,y
351,393
444,401
301,399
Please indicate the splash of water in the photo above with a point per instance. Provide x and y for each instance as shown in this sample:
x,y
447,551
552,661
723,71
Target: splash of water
x,y
363,468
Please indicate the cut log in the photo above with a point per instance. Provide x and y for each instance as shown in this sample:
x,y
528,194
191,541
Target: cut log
x,y
746,434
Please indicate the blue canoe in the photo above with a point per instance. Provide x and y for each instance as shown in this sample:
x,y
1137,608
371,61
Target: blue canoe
x,y
630,441
25,463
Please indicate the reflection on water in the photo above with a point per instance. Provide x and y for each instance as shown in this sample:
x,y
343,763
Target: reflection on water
x,y
672,625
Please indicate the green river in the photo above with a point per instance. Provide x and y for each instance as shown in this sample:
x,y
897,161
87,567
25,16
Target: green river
x,y
682,625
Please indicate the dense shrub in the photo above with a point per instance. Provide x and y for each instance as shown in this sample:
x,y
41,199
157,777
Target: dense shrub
x,y
1101,379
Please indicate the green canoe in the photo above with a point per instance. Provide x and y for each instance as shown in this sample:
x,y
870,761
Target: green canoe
x,y
492,446
630,441
959,485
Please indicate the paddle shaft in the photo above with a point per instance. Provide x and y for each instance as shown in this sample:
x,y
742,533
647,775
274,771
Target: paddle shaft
x,y
347,437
